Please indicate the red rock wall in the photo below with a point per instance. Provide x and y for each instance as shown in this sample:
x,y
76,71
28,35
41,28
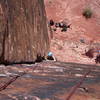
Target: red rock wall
x,y
23,30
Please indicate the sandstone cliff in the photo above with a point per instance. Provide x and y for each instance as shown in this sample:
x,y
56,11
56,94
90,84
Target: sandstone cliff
x,y
23,30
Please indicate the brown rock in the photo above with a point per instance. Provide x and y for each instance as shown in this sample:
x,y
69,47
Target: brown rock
x,y
23,30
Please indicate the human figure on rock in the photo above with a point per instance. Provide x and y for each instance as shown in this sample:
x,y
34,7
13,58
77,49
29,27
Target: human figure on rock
x,y
51,22
39,58
97,60
50,56
64,27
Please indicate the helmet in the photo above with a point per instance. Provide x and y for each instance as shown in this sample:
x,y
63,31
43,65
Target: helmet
x,y
50,53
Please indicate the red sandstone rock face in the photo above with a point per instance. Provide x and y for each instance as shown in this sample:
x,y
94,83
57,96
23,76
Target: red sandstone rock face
x,y
23,30
67,46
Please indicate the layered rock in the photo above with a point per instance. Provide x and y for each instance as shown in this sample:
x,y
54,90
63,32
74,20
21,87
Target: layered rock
x,y
23,30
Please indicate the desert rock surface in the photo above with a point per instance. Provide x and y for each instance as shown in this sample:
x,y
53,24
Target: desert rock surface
x,y
68,46
49,81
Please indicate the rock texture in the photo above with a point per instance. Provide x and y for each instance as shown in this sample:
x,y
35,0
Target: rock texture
x,y
23,30
50,81
83,34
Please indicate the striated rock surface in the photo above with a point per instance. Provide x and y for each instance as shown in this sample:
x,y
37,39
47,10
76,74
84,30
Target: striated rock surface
x,y
50,81
23,30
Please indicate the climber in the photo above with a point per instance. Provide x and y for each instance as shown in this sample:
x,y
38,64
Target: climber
x,y
97,60
50,56
51,22
39,58
64,27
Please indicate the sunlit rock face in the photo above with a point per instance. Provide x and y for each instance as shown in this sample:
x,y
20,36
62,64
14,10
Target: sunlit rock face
x,y
83,34
23,30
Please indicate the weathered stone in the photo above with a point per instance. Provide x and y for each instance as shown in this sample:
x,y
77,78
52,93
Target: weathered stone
x,y
50,81
23,30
